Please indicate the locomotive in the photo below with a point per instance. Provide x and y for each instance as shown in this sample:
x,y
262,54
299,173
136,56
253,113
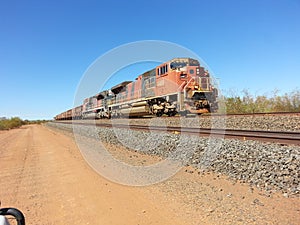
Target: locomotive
x,y
179,86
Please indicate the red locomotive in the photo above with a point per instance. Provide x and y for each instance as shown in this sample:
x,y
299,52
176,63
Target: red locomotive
x,y
180,85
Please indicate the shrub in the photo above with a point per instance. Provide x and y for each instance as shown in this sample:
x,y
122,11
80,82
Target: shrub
x,y
288,102
14,122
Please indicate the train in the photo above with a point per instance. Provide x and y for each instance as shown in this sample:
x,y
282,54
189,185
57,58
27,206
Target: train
x,y
179,86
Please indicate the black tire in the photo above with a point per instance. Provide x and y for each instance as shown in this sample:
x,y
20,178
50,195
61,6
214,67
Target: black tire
x,y
15,213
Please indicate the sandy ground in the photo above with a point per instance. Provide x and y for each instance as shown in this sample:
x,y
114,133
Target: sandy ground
x,y
44,175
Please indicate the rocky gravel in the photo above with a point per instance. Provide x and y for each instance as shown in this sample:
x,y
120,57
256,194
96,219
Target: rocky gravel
x,y
262,122
268,166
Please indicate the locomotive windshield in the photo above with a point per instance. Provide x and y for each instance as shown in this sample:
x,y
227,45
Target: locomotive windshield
x,y
182,62
175,65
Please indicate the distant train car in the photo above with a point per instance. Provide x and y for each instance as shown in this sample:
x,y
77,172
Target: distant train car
x,y
180,85
89,108
69,114
77,112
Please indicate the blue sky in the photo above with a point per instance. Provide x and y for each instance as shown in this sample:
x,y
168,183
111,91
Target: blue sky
x,y
46,46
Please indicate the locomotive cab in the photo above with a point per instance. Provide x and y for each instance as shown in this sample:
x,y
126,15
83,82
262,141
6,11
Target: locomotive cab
x,y
188,85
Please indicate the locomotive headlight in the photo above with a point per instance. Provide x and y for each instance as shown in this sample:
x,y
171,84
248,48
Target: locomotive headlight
x,y
197,71
196,87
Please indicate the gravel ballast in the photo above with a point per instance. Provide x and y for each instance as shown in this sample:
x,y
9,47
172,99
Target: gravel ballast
x,y
267,166
262,122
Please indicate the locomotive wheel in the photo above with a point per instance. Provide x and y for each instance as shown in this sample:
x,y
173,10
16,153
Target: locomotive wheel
x,y
159,114
173,113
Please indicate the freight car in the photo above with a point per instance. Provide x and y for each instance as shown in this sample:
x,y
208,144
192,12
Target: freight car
x,y
75,113
180,85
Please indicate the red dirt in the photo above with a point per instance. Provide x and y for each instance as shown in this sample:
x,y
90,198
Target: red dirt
x,y
44,175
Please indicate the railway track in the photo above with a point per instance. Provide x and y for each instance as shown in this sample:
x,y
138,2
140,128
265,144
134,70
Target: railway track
x,y
259,135
254,114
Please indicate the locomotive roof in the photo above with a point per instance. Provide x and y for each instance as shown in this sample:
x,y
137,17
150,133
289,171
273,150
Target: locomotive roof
x,y
149,73
187,60
116,89
101,95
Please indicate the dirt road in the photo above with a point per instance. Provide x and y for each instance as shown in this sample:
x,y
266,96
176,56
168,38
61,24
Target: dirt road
x,y
44,175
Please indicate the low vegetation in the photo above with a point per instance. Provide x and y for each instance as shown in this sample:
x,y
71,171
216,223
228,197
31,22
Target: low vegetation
x,y
15,122
6,124
248,103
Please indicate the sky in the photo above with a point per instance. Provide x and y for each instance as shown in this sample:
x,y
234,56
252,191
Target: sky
x,y
47,46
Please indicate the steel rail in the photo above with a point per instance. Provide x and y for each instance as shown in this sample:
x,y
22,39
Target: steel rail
x,y
252,114
283,137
